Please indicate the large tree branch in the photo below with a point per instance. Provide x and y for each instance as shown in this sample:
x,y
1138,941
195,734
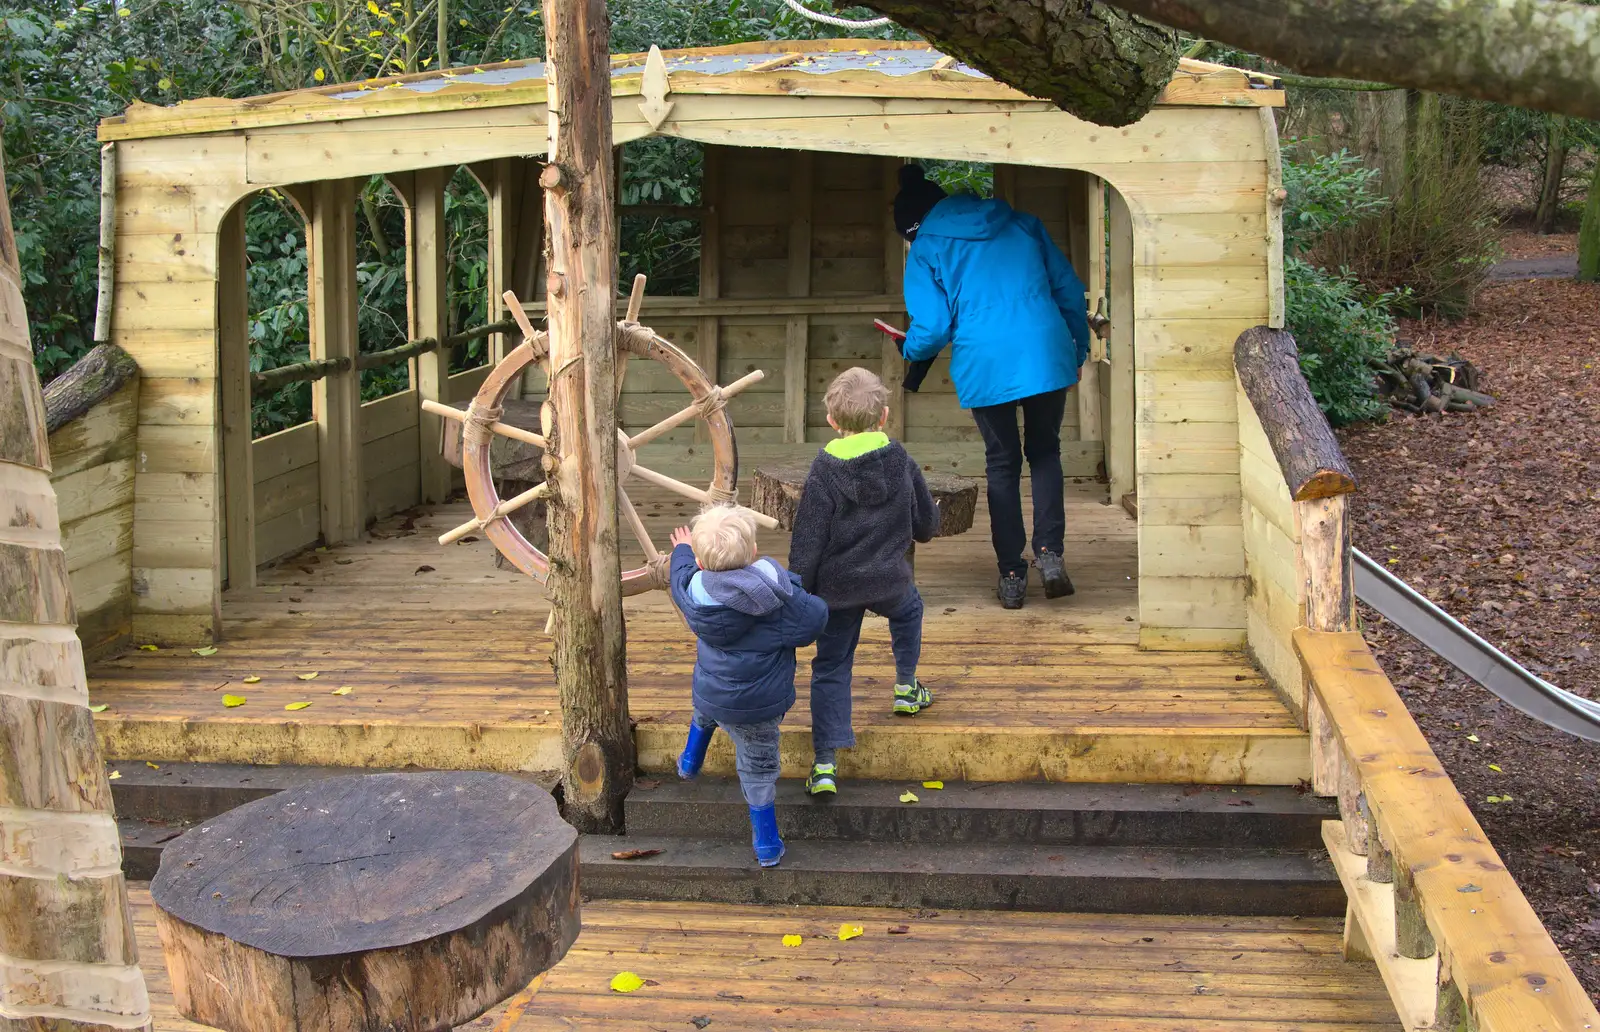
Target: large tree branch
x,y
1089,59
1531,53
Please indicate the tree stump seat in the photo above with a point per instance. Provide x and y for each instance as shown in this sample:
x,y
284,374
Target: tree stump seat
x,y
407,902
517,466
778,489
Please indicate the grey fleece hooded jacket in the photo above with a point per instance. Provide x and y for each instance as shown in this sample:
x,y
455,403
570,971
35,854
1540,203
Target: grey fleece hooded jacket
x,y
864,502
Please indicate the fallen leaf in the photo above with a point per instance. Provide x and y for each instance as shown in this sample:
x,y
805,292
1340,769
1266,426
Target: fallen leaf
x,y
252,679
900,930
209,650
344,562
1496,768
908,796
231,701
646,783
725,995
792,940
469,539
114,775
150,648
849,931
422,569
152,766
1469,887
308,677
700,1023
1498,799
626,982
100,708
1472,738
636,854
296,705
933,784
343,689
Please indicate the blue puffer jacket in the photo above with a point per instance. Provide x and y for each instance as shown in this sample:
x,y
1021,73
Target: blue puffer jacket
x,y
749,623
990,280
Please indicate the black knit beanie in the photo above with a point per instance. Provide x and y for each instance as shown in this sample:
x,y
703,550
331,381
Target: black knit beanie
x,y
918,194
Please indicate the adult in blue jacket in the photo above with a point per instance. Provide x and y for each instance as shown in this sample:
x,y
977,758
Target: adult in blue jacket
x,y
988,280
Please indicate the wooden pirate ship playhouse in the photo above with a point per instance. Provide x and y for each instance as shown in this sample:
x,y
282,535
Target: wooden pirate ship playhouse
x,y
1211,639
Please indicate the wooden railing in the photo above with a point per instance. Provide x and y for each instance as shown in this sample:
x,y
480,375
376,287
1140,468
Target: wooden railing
x,y
1430,901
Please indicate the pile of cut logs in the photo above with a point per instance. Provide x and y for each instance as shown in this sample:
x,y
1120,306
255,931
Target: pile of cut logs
x,y
1419,382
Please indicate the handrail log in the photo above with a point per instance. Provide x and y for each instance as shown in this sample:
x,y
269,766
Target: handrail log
x,y
1496,960
269,380
1268,364
96,376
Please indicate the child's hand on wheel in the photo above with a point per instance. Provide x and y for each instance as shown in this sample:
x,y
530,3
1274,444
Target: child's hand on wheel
x,y
680,537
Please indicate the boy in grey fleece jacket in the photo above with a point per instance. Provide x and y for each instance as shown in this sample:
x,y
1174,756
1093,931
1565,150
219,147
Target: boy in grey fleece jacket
x,y
863,504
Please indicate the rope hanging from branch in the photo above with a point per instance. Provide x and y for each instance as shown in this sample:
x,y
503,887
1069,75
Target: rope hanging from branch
x,y
830,19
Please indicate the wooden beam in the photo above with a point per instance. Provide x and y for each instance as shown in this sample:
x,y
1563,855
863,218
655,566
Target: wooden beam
x,y
233,388
1120,440
515,231
1085,230
710,329
428,242
892,366
690,307
336,400
589,654
798,328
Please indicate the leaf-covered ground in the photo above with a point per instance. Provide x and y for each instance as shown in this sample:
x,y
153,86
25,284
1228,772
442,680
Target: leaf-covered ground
x,y
1495,515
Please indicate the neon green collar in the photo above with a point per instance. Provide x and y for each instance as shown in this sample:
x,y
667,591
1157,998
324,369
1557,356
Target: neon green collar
x,y
856,445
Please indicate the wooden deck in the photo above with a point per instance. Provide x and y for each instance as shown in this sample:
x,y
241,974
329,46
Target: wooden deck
x,y
447,666
973,970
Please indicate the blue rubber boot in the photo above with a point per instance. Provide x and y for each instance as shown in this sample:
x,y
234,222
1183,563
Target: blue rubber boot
x,y
764,835
694,751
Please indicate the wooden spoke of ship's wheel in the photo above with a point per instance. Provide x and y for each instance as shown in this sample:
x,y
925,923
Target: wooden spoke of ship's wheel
x,y
650,476
634,521
516,433
683,415
504,509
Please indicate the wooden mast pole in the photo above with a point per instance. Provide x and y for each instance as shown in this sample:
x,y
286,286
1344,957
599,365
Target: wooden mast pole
x,y
66,938
585,585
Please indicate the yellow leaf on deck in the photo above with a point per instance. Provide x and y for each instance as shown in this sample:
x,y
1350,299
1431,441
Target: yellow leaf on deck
x,y
626,982
308,677
1493,766
1472,738
849,931
933,784
150,648
252,679
908,797
296,705
343,689
209,650
114,775
100,708
152,766
231,701
792,940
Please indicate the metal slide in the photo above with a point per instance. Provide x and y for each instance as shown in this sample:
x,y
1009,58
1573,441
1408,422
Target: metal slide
x,y
1401,605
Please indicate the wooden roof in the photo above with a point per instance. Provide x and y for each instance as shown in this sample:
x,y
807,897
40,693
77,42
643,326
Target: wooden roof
x,y
836,67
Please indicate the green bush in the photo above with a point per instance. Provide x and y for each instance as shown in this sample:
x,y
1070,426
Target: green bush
x,y
1340,325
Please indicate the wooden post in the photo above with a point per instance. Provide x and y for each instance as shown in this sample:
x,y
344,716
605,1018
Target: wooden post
x,y
710,329
1086,228
515,237
336,399
893,369
585,585
233,387
1412,938
798,328
1120,439
430,314
66,937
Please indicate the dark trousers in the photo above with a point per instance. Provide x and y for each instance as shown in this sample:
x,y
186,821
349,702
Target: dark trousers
x,y
836,655
1003,452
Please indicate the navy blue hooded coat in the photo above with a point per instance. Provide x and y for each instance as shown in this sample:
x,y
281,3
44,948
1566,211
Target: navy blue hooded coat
x,y
748,622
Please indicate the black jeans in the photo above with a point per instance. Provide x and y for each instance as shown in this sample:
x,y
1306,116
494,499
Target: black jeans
x,y
1003,451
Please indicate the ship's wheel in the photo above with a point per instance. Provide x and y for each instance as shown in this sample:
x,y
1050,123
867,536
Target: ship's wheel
x,y
707,402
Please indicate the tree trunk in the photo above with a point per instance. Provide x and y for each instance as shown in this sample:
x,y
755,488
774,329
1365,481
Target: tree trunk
x,y
1555,163
585,585
1268,365
92,379
65,934
1589,234
1541,55
1087,58
443,32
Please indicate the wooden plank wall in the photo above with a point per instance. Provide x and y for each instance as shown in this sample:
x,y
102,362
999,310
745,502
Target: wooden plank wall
x,y
92,470
288,492
1275,601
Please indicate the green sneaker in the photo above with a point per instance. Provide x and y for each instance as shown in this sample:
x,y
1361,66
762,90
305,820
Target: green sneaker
x,y
911,698
823,780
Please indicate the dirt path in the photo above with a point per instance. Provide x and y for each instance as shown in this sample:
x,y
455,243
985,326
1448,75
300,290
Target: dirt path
x,y
1495,515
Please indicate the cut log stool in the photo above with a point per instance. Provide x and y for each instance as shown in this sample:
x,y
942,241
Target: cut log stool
x,y
407,902
517,465
778,489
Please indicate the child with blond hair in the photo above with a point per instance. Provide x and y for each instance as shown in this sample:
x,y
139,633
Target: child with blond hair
x,y
749,615
863,504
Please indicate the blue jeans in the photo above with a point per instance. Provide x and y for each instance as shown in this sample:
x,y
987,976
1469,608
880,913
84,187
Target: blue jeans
x,y
836,656
1003,452
755,752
